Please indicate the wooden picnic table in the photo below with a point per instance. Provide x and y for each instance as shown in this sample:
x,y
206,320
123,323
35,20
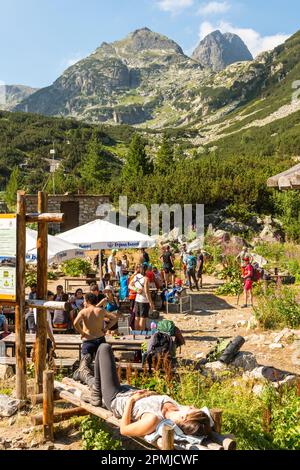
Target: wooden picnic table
x,y
74,342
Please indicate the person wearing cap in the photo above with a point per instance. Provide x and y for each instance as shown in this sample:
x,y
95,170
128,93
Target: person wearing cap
x,y
112,264
248,281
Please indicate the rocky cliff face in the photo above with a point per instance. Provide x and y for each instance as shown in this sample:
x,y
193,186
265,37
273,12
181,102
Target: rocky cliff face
x,y
216,51
12,95
147,80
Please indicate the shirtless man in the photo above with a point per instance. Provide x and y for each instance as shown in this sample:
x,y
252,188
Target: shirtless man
x,y
90,324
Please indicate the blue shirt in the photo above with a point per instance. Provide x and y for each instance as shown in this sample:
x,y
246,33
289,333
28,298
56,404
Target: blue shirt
x,y
2,321
191,262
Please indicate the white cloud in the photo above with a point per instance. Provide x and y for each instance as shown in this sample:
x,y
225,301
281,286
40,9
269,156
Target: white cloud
x,y
73,60
174,6
256,42
214,8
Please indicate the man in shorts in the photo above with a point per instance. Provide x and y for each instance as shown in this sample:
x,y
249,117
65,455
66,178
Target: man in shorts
x,y
167,258
90,324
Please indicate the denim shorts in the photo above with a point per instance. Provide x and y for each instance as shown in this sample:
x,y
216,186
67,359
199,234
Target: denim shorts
x,y
91,346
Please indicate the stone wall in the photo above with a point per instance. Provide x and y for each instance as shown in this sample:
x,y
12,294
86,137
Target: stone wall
x,y
87,206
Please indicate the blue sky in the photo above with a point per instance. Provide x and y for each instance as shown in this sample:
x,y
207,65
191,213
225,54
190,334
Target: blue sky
x,y
41,38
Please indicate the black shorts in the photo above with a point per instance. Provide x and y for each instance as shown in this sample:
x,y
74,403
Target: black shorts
x,y
169,270
141,310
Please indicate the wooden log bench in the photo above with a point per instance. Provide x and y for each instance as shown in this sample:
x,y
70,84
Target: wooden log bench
x,y
60,363
70,391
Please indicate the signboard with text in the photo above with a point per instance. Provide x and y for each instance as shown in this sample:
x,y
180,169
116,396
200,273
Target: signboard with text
x,y
8,262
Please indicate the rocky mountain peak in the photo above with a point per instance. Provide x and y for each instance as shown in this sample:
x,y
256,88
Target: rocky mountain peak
x,y
144,39
216,51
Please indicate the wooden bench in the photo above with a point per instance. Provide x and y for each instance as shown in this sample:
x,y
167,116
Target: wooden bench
x,y
60,363
70,391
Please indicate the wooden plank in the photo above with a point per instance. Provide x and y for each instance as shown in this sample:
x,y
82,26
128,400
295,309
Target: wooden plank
x,y
48,405
216,415
228,441
42,268
38,399
58,416
46,218
47,305
167,438
20,322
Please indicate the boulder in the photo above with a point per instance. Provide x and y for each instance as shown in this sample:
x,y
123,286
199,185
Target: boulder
x,y
173,236
6,372
245,361
8,406
234,227
274,346
195,245
221,235
215,366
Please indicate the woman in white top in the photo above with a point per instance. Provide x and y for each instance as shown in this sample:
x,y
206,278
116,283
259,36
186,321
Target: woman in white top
x,y
143,301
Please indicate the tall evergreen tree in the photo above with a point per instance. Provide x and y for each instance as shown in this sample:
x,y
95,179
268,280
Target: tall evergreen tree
x,y
137,162
165,156
93,170
12,188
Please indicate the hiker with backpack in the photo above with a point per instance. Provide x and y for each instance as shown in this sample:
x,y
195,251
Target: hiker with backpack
x,y
248,277
143,301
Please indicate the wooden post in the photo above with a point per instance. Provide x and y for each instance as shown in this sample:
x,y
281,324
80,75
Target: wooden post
x,y
48,405
167,438
217,417
42,268
58,416
20,323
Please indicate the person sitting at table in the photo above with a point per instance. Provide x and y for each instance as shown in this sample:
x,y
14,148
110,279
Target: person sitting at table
x,y
96,291
140,411
3,326
77,304
111,305
158,278
61,318
91,323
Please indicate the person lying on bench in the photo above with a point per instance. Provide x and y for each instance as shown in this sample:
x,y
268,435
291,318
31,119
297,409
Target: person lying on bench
x,y
140,411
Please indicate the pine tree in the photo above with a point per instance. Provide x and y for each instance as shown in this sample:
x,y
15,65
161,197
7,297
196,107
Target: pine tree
x,y
12,188
93,169
137,162
165,156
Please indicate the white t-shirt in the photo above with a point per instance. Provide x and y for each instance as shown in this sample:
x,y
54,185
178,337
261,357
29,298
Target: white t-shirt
x,y
112,261
139,283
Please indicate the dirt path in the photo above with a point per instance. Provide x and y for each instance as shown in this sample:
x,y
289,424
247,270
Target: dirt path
x,y
217,317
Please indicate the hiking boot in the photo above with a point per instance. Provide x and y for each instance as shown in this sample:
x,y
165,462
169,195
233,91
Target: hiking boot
x,y
244,306
83,373
94,398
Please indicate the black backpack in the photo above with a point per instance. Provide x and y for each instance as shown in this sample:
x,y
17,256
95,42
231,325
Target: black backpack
x,y
161,346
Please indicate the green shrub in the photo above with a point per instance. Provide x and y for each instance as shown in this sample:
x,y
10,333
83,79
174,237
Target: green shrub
x,y
96,437
76,268
278,309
